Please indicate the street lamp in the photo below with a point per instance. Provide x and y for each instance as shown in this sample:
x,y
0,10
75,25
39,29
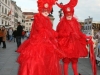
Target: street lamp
x,y
51,13
60,12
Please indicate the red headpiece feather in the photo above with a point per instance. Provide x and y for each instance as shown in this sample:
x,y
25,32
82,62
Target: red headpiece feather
x,y
73,3
45,4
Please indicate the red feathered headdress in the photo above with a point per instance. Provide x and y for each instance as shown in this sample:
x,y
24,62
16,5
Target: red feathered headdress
x,y
69,7
45,4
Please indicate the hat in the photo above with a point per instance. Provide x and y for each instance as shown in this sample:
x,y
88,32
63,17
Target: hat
x,y
68,9
45,4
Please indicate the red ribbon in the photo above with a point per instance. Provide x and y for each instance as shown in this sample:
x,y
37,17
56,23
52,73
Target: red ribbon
x,y
92,57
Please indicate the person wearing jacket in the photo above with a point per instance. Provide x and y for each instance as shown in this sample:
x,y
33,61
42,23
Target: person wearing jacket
x,y
19,34
1,35
4,36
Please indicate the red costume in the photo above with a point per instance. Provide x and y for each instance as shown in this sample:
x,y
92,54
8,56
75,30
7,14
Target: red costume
x,y
39,55
71,40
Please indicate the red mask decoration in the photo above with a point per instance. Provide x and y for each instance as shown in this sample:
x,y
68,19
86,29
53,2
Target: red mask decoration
x,y
68,9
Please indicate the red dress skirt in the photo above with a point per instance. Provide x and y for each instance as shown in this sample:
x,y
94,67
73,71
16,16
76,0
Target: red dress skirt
x,y
71,40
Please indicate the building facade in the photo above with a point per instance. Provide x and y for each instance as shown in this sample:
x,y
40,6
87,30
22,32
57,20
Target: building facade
x,y
4,12
88,26
29,19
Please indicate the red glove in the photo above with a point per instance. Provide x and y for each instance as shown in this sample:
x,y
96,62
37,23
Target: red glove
x,y
89,37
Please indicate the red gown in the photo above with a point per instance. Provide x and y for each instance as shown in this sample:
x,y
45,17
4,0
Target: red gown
x,y
71,40
39,54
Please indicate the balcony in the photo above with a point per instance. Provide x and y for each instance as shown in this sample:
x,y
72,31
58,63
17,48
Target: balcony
x,y
2,15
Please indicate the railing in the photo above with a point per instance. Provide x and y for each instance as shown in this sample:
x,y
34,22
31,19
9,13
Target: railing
x,y
5,16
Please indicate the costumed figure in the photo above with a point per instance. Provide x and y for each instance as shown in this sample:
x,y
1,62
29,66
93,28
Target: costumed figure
x,y
39,55
71,40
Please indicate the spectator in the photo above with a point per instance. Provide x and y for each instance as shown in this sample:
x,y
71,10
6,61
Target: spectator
x,y
10,32
4,36
97,36
23,34
1,35
14,34
27,34
18,34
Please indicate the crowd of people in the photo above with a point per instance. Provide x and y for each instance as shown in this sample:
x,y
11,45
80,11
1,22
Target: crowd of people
x,y
12,35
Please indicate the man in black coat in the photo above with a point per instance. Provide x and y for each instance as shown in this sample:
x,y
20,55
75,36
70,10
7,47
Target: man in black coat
x,y
19,34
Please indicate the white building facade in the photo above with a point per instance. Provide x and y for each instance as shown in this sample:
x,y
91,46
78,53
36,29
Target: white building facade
x,y
29,17
20,16
17,15
10,14
88,26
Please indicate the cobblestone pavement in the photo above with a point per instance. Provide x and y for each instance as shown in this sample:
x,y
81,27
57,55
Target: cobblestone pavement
x,y
9,66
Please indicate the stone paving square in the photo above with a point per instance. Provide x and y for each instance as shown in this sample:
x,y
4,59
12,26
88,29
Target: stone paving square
x,y
9,66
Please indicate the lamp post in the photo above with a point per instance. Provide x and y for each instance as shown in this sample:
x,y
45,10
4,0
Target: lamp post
x,y
60,12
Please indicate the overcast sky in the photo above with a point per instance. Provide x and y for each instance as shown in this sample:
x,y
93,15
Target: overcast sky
x,y
83,10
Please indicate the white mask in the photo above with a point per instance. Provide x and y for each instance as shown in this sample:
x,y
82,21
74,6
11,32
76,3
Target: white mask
x,y
45,13
68,17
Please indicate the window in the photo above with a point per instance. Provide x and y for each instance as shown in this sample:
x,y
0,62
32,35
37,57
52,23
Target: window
x,y
8,23
90,27
5,22
15,8
96,26
2,21
6,1
26,23
2,9
5,10
26,28
16,14
99,25
86,27
85,22
29,28
29,23
90,22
